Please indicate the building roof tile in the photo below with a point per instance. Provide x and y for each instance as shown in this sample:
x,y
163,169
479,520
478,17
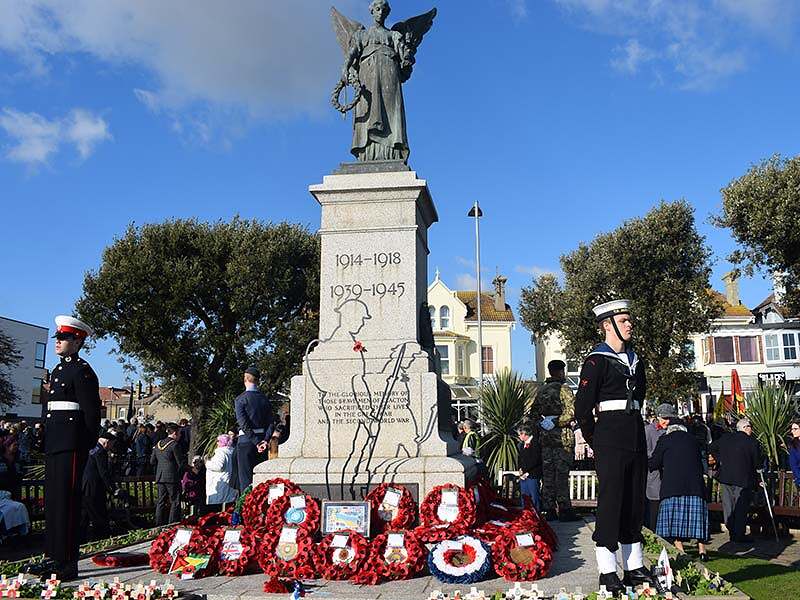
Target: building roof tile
x,y
488,311
729,310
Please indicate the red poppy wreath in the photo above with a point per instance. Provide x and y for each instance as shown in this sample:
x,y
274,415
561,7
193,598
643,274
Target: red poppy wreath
x,y
341,555
296,509
288,553
258,501
237,550
521,555
392,507
393,555
447,511
164,548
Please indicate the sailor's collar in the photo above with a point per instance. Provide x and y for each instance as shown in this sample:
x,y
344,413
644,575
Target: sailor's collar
x,y
604,349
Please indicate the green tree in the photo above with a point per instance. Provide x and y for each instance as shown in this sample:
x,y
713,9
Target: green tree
x,y
9,357
761,209
661,263
195,303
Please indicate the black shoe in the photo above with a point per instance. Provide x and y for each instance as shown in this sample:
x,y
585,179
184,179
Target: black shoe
x,y
613,584
703,557
67,571
551,515
638,577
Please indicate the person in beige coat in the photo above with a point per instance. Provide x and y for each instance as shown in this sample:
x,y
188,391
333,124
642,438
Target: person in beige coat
x,y
218,474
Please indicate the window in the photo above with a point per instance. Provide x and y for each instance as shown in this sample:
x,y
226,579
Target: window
x,y
688,350
432,312
487,358
772,346
723,349
789,348
444,359
36,391
748,349
444,317
460,368
41,350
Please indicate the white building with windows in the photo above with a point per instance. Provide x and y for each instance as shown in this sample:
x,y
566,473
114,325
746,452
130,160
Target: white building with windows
x,y
27,375
454,319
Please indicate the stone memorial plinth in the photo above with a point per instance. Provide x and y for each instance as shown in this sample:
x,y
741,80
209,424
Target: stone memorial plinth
x,y
369,406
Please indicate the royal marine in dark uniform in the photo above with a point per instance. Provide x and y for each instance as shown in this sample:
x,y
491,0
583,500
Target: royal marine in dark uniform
x,y
612,385
256,426
71,416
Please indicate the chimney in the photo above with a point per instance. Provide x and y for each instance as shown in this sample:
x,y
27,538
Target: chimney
x,y
778,288
500,292
731,280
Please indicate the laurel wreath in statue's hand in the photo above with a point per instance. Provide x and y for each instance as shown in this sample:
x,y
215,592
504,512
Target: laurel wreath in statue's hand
x,y
353,82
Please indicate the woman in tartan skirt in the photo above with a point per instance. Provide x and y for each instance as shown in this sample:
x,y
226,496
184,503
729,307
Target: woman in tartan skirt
x,y
683,514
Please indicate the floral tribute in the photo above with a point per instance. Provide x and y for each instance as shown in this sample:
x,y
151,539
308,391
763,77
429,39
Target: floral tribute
x,y
393,555
159,554
463,560
341,555
285,511
519,554
290,557
447,511
246,546
257,503
390,509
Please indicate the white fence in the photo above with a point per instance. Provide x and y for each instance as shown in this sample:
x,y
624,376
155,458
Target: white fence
x,y
582,486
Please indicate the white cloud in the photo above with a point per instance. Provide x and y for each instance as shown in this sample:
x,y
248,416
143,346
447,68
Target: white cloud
x,y
207,58
631,56
465,281
518,8
534,270
696,43
35,139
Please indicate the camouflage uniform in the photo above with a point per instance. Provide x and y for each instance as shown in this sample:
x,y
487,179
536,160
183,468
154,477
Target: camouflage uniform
x,y
558,445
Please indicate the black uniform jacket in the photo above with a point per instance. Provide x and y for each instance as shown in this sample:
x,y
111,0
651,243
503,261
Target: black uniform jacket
x,y
738,455
96,474
73,380
602,378
530,459
170,460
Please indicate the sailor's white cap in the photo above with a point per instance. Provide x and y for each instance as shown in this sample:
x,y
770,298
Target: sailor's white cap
x,y
67,324
609,309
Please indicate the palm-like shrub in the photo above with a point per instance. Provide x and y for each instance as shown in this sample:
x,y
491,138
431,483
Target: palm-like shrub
x,y
506,403
770,410
220,418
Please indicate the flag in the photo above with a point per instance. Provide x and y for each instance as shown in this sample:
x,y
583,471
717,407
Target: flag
x,y
719,407
737,395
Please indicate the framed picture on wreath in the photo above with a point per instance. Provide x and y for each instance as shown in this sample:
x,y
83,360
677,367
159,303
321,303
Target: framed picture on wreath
x,y
339,515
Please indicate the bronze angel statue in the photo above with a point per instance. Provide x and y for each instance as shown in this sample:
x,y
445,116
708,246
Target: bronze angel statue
x,y
377,62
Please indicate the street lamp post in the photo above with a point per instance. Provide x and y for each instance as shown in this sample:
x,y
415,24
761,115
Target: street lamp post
x,y
477,213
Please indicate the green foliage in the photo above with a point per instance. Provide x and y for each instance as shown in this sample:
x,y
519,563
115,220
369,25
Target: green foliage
x,y
662,264
9,357
506,402
761,209
195,303
219,419
701,582
770,409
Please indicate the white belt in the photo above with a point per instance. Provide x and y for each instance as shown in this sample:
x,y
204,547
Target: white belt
x,y
262,430
616,405
63,405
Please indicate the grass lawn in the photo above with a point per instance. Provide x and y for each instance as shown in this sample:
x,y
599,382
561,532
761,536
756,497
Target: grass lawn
x,y
756,577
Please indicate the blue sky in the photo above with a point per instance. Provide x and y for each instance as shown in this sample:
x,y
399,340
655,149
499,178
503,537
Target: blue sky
x,y
562,118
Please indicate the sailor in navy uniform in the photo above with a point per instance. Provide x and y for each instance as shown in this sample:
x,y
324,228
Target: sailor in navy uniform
x,y
612,383
256,426
71,416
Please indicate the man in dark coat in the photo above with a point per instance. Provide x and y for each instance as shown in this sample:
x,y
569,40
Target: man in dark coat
x,y
255,420
97,483
170,461
71,414
737,457
612,383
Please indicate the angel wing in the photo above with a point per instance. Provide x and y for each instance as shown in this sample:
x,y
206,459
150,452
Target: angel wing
x,y
344,29
413,30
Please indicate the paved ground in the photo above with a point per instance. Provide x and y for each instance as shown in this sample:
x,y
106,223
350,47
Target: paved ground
x,y
572,567
785,552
